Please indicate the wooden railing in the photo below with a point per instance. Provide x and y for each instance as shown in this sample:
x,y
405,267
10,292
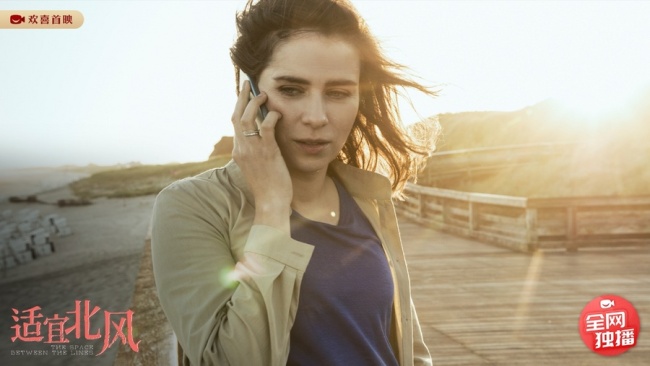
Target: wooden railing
x,y
528,224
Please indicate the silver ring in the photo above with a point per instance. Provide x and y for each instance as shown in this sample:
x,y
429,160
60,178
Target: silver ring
x,y
250,133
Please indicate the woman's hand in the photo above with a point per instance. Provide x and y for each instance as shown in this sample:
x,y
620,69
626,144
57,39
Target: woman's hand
x,y
261,162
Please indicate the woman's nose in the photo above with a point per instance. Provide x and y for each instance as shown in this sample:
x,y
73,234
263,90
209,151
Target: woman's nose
x,y
315,113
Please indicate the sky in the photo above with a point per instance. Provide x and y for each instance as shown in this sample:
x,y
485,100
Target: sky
x,y
151,81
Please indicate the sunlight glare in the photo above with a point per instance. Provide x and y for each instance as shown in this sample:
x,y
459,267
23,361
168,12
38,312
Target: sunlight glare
x,y
596,105
229,277
528,293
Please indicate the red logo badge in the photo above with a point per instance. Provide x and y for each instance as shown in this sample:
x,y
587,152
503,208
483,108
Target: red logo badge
x,y
17,19
609,325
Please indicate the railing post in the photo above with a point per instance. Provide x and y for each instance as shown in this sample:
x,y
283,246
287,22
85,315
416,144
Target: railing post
x,y
473,218
571,229
446,212
408,203
532,237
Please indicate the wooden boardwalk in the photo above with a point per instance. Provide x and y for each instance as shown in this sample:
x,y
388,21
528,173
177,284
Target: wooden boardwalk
x,y
484,305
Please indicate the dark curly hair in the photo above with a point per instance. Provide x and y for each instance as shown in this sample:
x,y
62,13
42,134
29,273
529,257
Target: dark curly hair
x,y
378,140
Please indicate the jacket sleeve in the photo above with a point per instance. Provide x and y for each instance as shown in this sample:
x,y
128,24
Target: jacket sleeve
x,y
421,355
222,311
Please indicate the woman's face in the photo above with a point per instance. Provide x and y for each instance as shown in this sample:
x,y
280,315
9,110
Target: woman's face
x,y
313,82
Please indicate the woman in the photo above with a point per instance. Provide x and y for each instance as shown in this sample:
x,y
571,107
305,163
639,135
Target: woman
x,y
290,254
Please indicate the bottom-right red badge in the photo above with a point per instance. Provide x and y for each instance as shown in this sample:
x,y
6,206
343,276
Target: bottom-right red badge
x,y
609,325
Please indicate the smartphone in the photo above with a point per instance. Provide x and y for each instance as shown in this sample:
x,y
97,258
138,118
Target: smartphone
x,y
255,91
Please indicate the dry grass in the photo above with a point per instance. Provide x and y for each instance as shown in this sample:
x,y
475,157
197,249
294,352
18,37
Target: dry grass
x,y
611,161
601,171
140,180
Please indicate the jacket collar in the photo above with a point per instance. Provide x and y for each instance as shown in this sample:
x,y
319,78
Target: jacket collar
x,y
359,183
362,183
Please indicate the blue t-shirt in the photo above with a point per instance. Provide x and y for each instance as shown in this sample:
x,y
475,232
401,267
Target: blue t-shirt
x,y
346,297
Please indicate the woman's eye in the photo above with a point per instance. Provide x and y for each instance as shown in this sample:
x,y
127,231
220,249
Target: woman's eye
x,y
290,91
338,94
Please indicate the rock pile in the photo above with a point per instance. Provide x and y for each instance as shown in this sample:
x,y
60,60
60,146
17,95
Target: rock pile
x,y
26,236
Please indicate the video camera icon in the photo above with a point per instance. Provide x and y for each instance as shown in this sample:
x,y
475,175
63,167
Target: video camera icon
x,y
16,19
606,303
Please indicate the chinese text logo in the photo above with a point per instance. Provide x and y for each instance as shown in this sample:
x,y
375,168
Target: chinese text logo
x,y
609,325
32,326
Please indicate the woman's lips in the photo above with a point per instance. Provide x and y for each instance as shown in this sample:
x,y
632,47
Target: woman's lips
x,y
312,146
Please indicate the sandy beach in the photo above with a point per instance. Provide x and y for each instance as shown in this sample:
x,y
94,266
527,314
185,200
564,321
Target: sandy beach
x,y
99,262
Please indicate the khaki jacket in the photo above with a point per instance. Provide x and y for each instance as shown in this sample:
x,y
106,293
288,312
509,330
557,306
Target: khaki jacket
x,y
230,289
